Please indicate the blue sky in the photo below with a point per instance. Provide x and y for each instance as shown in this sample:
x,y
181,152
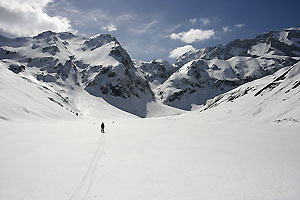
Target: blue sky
x,y
151,29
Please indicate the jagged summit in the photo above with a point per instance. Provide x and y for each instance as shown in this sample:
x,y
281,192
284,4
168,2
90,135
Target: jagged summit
x,y
45,34
284,42
99,40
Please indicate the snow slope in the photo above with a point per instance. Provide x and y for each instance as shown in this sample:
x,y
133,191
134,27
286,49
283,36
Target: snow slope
x,y
22,97
275,98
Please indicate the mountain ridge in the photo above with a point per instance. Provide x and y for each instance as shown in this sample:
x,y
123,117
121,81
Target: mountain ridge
x,y
103,68
208,72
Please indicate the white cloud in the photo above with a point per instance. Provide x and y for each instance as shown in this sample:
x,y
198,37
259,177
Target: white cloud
x,y
27,18
239,25
175,36
110,28
174,28
193,21
144,28
124,18
181,50
226,29
204,21
193,35
93,18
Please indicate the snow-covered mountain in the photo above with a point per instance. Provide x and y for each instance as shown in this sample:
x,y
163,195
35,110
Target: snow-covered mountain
x,y
208,72
63,61
274,98
70,68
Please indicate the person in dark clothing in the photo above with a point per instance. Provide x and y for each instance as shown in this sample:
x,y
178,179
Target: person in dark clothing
x,y
102,127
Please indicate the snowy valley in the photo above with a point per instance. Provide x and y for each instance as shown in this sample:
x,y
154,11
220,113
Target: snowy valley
x,y
220,123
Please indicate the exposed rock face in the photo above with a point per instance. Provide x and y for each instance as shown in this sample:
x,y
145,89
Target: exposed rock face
x,y
16,68
156,71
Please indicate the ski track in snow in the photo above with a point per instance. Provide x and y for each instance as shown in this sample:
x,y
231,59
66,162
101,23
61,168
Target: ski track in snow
x,y
84,187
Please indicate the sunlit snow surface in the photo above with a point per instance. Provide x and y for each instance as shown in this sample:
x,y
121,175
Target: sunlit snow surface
x,y
49,153
192,156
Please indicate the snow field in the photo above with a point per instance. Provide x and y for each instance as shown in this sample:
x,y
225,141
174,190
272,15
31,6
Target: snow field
x,y
191,156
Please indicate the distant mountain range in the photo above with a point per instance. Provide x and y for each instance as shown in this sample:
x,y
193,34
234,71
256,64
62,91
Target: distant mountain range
x,y
63,63
206,73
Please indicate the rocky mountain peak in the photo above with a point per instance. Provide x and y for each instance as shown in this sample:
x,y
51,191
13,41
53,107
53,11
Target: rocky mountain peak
x,y
99,40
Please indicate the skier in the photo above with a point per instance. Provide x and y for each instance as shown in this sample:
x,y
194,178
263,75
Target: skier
x,y
102,127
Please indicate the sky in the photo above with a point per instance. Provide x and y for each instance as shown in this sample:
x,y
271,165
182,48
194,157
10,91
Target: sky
x,y
156,29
